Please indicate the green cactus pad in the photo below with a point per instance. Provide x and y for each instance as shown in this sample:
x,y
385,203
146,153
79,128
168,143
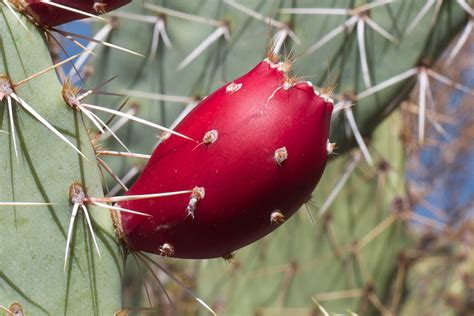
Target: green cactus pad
x,y
33,238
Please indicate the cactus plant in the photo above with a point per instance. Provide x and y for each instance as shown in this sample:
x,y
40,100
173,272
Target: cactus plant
x,y
365,43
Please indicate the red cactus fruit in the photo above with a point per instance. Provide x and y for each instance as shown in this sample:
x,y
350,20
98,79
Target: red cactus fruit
x,y
55,12
262,153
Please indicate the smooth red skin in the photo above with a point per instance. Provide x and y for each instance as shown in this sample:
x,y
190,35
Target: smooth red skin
x,y
242,181
48,15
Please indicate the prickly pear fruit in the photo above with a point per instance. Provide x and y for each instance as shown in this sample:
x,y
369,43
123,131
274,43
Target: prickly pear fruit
x,y
261,152
56,12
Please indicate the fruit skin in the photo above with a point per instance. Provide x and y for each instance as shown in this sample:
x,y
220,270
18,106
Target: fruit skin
x,y
243,182
48,15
